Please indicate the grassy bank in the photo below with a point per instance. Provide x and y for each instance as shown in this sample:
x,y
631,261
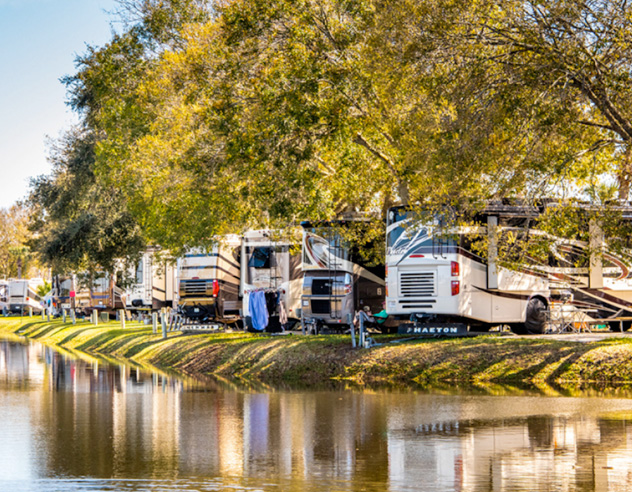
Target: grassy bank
x,y
314,359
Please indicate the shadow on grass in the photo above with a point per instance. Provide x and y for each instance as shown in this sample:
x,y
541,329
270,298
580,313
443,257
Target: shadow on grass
x,y
75,334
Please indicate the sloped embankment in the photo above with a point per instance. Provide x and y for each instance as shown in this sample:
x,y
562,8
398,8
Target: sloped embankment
x,y
307,360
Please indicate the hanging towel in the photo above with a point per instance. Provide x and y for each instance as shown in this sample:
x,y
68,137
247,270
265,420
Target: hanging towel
x,y
282,314
258,310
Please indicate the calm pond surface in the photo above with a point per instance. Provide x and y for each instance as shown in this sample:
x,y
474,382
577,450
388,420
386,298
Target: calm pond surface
x,y
70,425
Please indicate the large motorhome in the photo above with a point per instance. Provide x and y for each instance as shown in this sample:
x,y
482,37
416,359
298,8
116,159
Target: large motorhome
x,y
153,284
434,276
209,283
23,296
337,280
105,295
271,263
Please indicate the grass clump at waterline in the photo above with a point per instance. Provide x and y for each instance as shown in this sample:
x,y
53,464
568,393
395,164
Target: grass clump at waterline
x,y
314,359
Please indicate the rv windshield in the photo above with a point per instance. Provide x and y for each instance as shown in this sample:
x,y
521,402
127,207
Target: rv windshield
x,y
321,245
65,286
260,258
404,226
100,284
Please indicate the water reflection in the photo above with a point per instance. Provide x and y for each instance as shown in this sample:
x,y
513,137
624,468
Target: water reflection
x,y
70,424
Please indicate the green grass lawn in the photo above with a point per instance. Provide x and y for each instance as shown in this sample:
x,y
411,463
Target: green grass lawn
x,y
313,359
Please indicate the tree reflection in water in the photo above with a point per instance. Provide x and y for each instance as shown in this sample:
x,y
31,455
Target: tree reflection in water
x,y
74,424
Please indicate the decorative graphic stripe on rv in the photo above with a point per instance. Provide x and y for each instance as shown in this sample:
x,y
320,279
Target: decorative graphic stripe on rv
x,y
599,294
445,250
507,295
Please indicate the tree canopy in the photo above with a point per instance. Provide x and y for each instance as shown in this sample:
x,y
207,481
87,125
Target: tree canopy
x,y
215,117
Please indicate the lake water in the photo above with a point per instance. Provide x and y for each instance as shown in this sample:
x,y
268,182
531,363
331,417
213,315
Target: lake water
x,y
70,425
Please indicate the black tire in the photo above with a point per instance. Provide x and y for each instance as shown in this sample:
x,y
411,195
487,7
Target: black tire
x,y
535,321
518,328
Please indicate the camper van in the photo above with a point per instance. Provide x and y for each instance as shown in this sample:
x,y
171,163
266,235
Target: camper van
x,y
208,283
153,284
23,296
337,281
271,271
434,275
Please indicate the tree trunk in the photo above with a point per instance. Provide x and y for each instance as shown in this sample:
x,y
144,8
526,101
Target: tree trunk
x,y
625,174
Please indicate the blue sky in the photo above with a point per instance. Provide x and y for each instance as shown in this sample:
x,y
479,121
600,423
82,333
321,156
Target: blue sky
x,y
39,41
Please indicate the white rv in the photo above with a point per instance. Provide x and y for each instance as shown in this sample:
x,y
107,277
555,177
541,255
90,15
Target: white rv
x,y
153,284
437,277
208,283
271,265
68,293
4,295
23,295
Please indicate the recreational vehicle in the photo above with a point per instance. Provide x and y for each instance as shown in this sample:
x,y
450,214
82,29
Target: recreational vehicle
x,y
153,284
439,277
69,294
209,283
23,296
337,281
105,295
270,271
4,295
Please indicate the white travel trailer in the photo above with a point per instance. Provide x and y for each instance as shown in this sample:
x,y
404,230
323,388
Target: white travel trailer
x,y
337,280
436,277
208,283
271,264
68,293
153,284
23,295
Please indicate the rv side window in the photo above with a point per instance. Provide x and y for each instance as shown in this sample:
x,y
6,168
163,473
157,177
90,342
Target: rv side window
x,y
260,258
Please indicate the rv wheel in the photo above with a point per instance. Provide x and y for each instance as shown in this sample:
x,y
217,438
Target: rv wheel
x,y
518,328
535,321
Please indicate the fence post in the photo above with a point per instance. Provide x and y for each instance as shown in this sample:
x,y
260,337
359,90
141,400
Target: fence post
x,y
122,316
361,329
154,322
164,324
63,315
30,312
353,336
